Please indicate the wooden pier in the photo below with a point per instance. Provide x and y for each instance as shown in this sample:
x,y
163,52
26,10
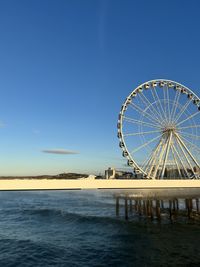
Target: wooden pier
x,y
158,209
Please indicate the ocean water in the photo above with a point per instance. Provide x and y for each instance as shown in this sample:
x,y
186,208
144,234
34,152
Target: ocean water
x,y
80,228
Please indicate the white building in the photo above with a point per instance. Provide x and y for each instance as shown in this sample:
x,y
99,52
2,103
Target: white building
x,y
112,173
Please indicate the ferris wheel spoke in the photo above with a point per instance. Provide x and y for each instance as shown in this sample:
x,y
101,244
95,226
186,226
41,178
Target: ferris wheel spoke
x,y
151,109
140,133
197,137
189,126
145,144
165,102
128,119
161,107
188,118
168,103
158,104
146,115
177,117
173,115
175,104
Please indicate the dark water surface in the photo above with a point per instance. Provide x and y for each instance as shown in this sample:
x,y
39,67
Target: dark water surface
x,y
80,228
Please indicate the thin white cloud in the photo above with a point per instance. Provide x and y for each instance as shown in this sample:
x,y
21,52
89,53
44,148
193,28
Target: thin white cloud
x,y
60,151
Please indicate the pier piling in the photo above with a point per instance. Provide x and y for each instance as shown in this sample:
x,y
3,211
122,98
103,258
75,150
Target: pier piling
x,y
154,208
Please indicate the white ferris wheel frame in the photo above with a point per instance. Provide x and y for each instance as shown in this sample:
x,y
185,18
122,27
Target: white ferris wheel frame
x,y
149,85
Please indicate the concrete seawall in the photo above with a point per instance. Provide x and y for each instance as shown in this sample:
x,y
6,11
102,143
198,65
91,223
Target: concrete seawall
x,y
56,184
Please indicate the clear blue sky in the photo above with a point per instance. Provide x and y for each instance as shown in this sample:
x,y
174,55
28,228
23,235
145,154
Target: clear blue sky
x,y
66,66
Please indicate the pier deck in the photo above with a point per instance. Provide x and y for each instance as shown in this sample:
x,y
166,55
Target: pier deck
x,y
66,184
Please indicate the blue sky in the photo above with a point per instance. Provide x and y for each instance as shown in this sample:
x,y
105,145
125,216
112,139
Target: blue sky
x,y
67,66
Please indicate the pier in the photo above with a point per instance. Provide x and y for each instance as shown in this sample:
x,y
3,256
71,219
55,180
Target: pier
x,y
156,208
103,184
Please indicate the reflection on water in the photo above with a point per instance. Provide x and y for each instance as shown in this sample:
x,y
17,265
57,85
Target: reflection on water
x,y
155,204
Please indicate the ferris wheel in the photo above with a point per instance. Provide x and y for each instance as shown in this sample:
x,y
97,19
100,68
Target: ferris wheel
x,y
158,128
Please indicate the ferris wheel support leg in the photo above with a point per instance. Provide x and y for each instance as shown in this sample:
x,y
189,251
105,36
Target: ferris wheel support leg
x,y
186,172
185,155
173,153
166,154
188,151
160,159
153,158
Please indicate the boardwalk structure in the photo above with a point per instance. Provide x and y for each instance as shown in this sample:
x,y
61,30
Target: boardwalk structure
x,y
78,184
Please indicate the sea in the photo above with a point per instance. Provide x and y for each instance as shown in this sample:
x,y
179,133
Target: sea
x,y
81,228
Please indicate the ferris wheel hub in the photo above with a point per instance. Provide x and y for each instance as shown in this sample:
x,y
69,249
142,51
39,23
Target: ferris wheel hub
x,y
168,129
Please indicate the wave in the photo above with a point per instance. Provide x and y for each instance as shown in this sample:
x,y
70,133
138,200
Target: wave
x,y
59,214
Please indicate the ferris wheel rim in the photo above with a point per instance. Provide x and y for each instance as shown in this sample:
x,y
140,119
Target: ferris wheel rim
x,y
124,107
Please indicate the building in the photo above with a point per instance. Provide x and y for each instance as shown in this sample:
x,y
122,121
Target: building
x,y
112,173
